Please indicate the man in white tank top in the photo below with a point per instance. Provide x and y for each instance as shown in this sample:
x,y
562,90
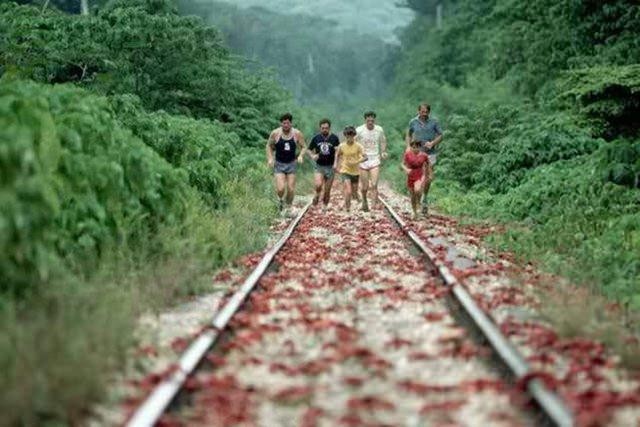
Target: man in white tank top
x,y
372,138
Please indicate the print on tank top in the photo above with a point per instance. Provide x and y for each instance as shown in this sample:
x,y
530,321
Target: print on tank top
x,y
285,149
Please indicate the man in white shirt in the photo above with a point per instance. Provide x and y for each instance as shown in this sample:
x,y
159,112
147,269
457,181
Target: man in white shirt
x,y
372,138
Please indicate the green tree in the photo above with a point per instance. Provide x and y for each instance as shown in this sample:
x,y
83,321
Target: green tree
x,y
140,47
314,66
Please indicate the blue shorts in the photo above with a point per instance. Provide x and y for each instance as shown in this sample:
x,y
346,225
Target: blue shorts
x,y
284,168
326,171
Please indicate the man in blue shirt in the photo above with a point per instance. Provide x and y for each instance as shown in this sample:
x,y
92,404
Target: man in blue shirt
x,y
427,131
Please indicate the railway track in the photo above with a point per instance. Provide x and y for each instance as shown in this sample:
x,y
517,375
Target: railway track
x,y
159,400
549,403
155,405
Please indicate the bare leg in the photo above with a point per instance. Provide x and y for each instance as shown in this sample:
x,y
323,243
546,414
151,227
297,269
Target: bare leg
x,y
317,181
364,186
281,182
374,175
420,191
415,198
416,195
291,187
328,183
428,179
356,190
347,194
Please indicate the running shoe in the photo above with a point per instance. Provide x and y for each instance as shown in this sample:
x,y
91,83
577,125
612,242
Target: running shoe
x,y
425,208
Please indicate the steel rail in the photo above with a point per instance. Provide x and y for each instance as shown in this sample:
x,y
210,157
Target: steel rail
x,y
154,406
550,403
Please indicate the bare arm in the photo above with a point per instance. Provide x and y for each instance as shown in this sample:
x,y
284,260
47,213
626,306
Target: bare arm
x,y
404,166
336,162
312,152
313,155
383,146
301,145
436,141
362,157
271,143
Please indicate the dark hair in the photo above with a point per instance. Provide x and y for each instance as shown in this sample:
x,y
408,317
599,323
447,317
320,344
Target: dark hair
x,y
425,105
370,114
323,121
286,116
349,130
412,143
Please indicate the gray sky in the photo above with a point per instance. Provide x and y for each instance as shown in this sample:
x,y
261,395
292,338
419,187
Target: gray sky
x,y
379,17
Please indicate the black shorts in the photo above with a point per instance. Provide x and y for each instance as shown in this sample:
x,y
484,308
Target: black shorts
x,y
347,177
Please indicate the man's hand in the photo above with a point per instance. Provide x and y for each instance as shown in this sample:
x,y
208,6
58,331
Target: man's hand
x,y
384,155
300,159
315,157
429,145
270,163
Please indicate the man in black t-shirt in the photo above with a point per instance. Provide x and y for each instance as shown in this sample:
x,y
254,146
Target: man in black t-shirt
x,y
322,149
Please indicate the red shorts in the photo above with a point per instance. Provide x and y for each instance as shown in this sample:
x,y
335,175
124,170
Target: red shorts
x,y
412,178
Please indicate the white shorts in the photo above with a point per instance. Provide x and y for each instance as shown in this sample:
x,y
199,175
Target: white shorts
x,y
432,159
370,163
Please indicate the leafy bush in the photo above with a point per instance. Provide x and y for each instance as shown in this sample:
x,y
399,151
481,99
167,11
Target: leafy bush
x,y
74,180
201,148
609,97
539,105
527,44
494,147
171,62
621,163
117,196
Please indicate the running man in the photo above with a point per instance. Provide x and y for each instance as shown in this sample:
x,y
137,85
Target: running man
x,y
322,149
348,156
283,141
415,164
372,138
427,132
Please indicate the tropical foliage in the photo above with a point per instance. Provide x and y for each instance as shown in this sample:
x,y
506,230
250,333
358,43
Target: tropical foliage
x,y
540,105
123,135
315,57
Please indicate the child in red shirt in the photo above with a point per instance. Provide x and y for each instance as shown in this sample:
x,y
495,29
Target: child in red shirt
x,y
415,164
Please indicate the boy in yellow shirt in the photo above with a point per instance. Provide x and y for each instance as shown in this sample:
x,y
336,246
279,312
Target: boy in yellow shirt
x,y
349,155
